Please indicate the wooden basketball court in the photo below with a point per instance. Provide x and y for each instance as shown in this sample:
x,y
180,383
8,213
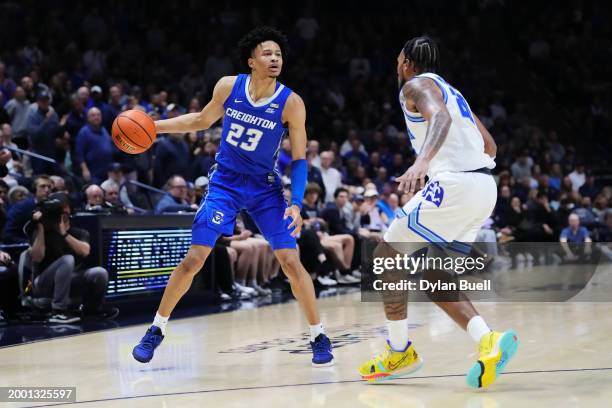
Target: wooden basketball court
x,y
260,358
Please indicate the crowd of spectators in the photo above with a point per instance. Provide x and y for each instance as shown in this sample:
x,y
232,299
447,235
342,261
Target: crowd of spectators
x,y
67,70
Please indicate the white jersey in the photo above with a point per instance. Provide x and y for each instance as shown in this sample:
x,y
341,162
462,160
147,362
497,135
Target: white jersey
x,y
463,149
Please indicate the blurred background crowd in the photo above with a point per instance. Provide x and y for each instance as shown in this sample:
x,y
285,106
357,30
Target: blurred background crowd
x,y
534,73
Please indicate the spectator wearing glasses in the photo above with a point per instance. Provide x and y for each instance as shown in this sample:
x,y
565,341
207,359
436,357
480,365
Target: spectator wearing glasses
x,y
175,199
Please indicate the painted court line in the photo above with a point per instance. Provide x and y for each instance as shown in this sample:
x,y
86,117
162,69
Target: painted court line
x,y
263,387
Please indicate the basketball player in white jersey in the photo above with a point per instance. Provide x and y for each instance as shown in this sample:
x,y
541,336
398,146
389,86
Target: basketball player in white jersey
x,y
456,152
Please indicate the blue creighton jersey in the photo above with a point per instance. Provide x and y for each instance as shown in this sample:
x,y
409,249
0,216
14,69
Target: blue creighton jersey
x,y
252,132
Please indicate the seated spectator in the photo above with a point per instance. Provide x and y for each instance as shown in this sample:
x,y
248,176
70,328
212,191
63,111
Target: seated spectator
x,y
21,212
332,178
585,212
313,150
59,185
393,203
111,196
340,219
340,247
575,240
17,194
372,217
94,148
335,216
175,199
57,250
245,254
115,174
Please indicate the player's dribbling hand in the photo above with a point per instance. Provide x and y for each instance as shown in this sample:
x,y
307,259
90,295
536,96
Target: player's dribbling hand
x,y
296,219
414,178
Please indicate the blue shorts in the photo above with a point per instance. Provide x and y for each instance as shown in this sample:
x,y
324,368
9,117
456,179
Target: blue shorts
x,y
229,193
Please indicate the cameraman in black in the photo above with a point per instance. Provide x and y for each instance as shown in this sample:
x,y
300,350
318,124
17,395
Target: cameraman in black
x,y
57,250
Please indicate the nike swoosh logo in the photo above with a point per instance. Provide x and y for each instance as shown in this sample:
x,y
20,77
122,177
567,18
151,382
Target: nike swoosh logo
x,y
237,101
394,366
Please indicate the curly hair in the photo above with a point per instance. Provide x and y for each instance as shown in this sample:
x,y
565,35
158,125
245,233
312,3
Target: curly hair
x,y
249,42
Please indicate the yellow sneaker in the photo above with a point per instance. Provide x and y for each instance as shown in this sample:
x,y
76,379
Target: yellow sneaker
x,y
391,364
495,351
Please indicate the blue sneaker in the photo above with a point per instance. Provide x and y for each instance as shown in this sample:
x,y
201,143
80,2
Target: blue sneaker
x,y
144,350
322,351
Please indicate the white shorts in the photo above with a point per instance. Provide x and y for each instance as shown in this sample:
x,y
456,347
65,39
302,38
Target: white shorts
x,y
448,211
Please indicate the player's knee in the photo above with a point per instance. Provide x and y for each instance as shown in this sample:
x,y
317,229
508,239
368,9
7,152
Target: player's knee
x,y
193,261
289,261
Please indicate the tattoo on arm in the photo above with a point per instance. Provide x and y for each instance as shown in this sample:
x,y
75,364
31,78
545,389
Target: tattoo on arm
x,y
427,99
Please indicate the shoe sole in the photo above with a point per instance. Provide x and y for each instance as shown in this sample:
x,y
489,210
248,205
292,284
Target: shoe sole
x,y
328,364
141,360
406,371
479,377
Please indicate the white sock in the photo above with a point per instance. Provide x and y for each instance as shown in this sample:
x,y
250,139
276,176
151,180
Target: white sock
x,y
398,334
253,283
315,330
477,328
161,322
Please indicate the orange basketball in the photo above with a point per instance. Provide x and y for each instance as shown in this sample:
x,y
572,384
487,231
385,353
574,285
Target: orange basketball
x,y
133,131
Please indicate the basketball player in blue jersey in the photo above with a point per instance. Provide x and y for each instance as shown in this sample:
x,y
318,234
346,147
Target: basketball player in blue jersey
x,y
257,111
456,152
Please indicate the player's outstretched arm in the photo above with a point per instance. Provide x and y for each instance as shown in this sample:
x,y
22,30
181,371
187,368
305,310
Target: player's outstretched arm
x,y
294,114
490,147
424,95
212,112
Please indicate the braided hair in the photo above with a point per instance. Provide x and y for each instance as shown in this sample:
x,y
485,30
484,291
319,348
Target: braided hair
x,y
423,53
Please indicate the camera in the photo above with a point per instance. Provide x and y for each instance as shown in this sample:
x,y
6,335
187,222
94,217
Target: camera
x,y
52,211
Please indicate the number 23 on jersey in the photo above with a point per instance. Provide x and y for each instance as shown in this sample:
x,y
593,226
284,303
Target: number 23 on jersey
x,y
235,133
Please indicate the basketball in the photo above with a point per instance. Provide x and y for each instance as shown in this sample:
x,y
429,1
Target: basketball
x,y
133,131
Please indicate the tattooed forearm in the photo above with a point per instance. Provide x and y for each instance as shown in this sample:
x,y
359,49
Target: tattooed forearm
x,y
426,98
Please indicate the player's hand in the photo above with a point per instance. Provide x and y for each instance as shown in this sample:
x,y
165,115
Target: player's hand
x,y
296,219
36,216
414,178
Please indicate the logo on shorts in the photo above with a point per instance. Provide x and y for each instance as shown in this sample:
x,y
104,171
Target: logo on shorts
x,y
434,193
217,217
